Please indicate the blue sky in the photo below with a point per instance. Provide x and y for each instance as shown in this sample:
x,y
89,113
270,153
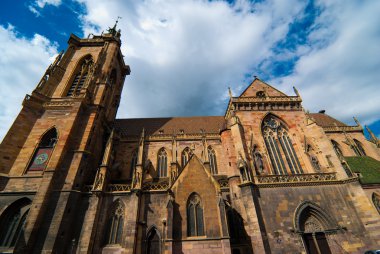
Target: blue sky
x,y
184,54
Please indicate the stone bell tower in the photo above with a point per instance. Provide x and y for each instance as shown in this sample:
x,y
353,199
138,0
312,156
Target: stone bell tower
x,y
56,143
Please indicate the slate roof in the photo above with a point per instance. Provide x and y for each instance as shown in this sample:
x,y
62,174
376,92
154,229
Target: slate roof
x,y
170,125
324,120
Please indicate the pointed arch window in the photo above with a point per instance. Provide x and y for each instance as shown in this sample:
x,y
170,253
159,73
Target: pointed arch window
x,y
212,160
195,224
185,156
115,223
12,222
80,77
337,149
359,150
133,163
113,77
376,201
44,150
153,242
162,163
280,145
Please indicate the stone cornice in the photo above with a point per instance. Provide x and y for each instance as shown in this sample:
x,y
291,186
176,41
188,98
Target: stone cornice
x,y
292,103
343,129
169,137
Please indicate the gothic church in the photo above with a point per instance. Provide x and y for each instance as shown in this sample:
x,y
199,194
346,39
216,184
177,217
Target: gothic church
x,y
266,177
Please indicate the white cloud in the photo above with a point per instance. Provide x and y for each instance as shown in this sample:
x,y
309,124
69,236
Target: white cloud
x,y
42,3
342,77
22,63
184,54
36,6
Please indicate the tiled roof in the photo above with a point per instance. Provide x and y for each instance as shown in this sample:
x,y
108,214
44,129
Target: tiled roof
x,y
324,120
170,125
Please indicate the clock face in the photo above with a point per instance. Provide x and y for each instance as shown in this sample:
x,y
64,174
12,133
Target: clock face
x,y
41,158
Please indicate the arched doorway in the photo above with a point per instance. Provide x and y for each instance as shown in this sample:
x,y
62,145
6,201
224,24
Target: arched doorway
x,y
153,242
312,223
314,237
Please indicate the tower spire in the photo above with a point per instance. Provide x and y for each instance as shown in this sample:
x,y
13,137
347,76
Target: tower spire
x,y
373,139
113,30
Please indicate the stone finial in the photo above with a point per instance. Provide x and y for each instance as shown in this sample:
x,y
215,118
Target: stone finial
x,y
230,92
373,139
113,30
296,91
357,122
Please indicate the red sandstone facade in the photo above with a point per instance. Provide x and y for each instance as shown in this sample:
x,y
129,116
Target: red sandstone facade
x,y
263,178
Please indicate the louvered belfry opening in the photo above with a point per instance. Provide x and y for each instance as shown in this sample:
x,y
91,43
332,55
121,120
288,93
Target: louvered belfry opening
x,y
80,77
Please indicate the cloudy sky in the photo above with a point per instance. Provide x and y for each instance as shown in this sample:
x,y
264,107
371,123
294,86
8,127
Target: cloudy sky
x,y
185,54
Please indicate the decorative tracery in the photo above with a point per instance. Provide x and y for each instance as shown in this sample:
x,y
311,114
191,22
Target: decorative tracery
x,y
279,144
195,224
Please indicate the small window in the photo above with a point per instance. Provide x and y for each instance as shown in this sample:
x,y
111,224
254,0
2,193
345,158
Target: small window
x,y
162,163
185,156
359,150
337,149
212,160
260,94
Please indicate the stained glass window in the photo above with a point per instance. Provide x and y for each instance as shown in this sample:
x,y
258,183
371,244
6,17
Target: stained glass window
x,y
280,146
